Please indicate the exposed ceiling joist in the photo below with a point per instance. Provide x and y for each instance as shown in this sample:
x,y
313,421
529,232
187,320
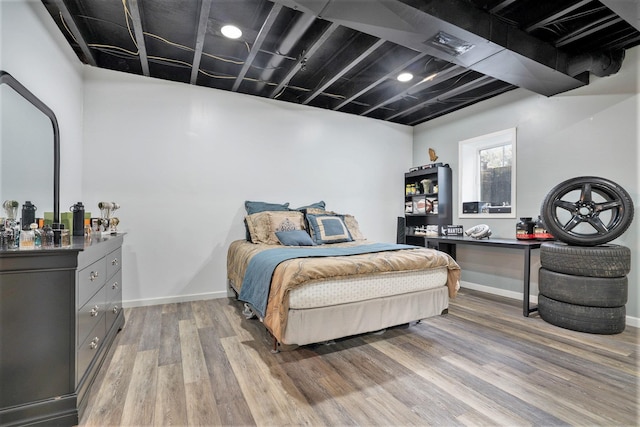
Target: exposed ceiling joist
x,y
257,44
550,19
303,59
442,76
344,71
69,23
134,10
205,7
383,78
629,10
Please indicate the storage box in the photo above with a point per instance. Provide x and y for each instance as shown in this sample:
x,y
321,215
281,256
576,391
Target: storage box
x,y
451,230
66,218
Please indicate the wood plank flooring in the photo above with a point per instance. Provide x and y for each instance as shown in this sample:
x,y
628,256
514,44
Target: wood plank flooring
x,y
202,363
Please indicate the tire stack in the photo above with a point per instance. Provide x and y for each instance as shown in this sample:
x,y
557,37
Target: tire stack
x,y
582,279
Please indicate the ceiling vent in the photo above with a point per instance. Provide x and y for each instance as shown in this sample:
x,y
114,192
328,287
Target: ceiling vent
x,y
449,44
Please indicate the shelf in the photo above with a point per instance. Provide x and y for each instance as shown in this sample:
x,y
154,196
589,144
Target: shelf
x,y
438,176
433,195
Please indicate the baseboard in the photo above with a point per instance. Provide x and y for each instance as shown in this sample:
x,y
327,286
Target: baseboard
x,y
174,299
630,321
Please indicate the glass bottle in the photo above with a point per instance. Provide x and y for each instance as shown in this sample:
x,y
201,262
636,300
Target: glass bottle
x,y
47,237
27,239
37,235
65,237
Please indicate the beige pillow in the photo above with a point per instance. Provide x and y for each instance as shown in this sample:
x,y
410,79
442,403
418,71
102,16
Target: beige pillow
x,y
263,225
353,227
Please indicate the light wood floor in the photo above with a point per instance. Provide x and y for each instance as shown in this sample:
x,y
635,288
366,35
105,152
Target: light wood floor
x,y
202,363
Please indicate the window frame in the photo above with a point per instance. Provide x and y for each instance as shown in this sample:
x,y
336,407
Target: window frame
x,y
469,169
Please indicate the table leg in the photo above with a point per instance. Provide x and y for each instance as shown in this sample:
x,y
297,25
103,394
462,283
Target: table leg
x,y
526,307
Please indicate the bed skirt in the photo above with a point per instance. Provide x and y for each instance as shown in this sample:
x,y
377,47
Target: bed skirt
x,y
306,326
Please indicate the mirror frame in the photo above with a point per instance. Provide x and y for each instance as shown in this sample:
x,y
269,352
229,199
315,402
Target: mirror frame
x,y
8,79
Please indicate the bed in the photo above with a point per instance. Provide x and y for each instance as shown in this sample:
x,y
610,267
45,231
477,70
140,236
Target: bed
x,y
310,276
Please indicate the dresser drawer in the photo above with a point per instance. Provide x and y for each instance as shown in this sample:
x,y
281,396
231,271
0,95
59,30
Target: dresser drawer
x,y
90,347
113,309
91,314
114,298
114,261
114,287
90,279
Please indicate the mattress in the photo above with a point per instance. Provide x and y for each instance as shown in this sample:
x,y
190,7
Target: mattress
x,y
362,288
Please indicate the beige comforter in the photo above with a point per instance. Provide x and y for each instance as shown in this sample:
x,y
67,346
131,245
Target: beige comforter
x,y
296,272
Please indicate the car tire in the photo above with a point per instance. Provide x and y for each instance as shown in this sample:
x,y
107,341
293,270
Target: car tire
x,y
594,320
587,211
581,290
590,261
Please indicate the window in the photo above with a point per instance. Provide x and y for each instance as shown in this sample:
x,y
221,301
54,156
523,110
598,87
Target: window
x,y
488,176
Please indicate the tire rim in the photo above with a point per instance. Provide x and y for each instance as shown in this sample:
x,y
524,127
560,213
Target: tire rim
x,y
598,211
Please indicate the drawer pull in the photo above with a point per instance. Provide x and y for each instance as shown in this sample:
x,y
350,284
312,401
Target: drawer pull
x,y
94,311
94,343
114,286
115,261
93,275
115,309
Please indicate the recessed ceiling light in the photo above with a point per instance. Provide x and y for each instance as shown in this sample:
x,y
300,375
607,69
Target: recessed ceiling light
x,y
231,31
404,77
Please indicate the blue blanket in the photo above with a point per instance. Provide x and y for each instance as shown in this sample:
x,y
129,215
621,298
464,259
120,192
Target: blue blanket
x,y
257,279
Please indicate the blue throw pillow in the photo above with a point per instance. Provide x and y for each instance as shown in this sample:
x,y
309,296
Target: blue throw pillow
x,y
317,205
255,207
328,229
294,238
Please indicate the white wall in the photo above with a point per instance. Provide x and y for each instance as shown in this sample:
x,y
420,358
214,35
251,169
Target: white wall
x,y
181,160
36,54
588,131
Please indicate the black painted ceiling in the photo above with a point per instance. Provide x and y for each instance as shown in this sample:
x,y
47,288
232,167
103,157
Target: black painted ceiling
x,y
344,55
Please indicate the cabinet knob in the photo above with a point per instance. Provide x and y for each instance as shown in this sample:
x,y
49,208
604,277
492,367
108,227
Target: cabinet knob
x,y
94,343
115,261
115,309
93,275
114,286
94,311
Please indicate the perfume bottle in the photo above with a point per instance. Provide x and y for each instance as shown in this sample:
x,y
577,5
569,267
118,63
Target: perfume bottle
x,y
37,235
27,239
47,237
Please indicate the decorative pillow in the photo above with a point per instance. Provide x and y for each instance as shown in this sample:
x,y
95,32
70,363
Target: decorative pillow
x,y
328,229
318,205
294,238
318,211
255,207
353,227
264,225
349,220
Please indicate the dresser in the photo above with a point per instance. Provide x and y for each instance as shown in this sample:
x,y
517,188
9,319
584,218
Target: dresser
x,y
60,310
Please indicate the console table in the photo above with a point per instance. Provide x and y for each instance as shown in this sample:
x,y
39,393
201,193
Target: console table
x,y
448,244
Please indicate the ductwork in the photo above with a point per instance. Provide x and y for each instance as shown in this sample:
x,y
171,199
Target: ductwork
x,y
472,38
599,64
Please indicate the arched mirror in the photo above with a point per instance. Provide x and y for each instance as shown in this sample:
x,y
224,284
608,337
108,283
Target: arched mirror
x,y
29,149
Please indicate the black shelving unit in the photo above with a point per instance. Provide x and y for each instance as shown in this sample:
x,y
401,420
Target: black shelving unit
x,y
438,192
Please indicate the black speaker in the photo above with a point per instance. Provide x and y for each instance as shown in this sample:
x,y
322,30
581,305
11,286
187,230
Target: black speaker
x,y
401,231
